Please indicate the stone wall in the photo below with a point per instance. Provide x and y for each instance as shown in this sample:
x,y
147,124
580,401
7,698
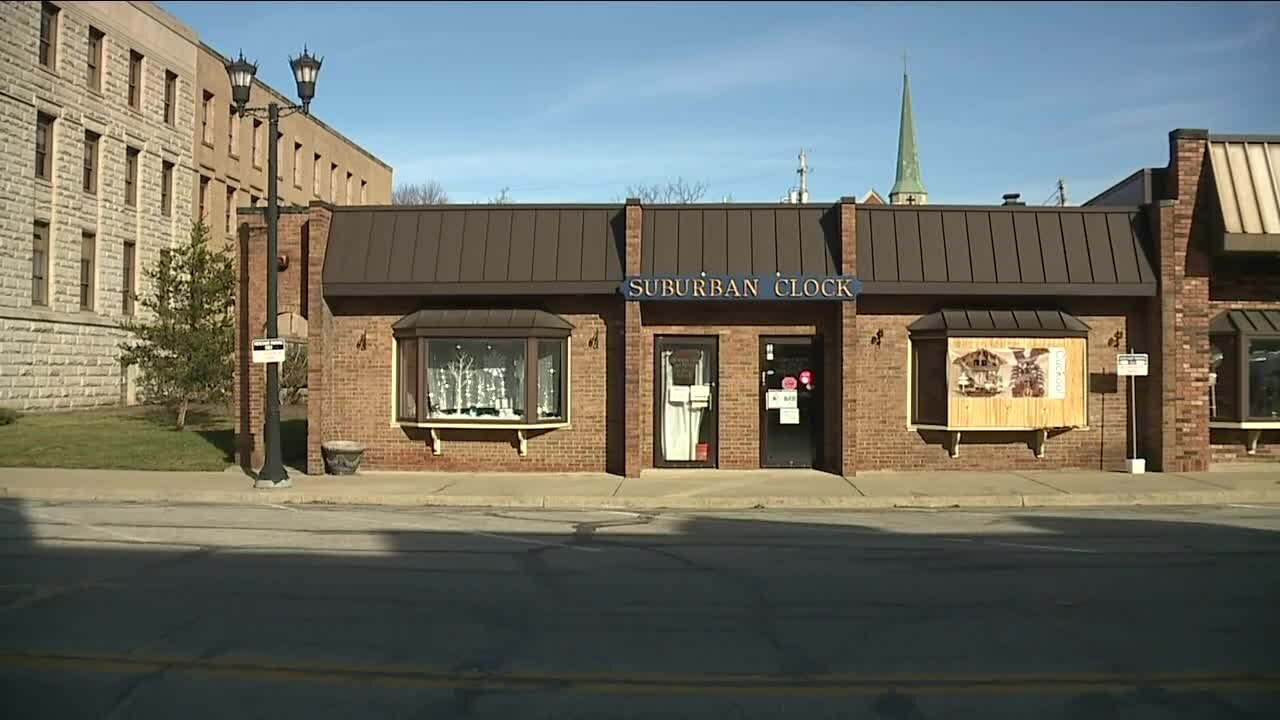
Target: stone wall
x,y
59,355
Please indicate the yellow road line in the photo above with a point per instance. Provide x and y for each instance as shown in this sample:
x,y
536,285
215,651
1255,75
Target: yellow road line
x,y
619,683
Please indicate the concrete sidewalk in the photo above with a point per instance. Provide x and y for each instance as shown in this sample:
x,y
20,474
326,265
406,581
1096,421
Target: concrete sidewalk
x,y
661,489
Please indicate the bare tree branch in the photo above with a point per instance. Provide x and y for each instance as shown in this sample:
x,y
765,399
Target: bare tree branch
x,y
503,198
676,192
428,193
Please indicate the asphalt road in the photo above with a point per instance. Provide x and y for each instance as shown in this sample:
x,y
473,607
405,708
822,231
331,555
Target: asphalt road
x,y
149,611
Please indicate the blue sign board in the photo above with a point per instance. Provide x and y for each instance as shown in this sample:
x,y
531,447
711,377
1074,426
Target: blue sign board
x,y
741,287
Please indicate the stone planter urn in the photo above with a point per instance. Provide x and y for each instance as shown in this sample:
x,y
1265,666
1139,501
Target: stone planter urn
x,y
341,457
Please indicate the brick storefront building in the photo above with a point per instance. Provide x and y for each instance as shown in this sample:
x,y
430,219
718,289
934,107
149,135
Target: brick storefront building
x,y
620,338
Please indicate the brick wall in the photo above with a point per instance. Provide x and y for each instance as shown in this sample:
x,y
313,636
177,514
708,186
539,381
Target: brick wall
x,y
251,315
1250,284
357,395
884,441
738,329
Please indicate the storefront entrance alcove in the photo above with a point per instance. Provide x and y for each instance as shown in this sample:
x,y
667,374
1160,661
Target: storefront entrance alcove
x,y
685,402
790,402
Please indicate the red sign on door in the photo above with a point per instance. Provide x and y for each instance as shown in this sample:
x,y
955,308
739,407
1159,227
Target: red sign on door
x,y
789,383
700,452
806,378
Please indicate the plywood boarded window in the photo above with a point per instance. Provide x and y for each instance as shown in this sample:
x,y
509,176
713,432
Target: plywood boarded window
x,y
999,370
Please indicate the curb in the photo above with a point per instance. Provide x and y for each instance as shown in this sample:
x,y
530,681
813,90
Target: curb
x,y
301,497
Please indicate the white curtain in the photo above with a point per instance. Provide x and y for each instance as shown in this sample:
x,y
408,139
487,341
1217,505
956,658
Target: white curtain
x,y
681,417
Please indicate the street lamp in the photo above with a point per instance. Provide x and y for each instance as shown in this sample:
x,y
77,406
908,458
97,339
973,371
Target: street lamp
x,y
306,67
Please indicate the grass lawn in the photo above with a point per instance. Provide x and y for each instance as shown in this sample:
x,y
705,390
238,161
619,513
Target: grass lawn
x,y
137,438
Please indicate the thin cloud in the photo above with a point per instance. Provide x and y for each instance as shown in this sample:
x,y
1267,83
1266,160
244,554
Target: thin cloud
x,y
751,63
1174,114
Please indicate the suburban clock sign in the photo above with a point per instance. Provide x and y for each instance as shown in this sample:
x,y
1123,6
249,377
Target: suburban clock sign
x,y
741,287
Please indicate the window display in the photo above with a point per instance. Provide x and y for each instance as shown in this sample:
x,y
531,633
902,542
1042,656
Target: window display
x,y
475,379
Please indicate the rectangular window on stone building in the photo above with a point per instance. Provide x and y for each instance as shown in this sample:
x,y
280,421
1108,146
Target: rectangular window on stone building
x,y
206,119
135,80
231,210
280,157
364,193
203,199
166,188
88,249
256,141
233,132
44,146
131,177
333,182
315,175
40,264
91,162
126,287
95,58
297,165
170,98
48,35
346,191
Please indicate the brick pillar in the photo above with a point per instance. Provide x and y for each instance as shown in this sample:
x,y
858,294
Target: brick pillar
x,y
251,315
632,348
319,333
1184,309
848,331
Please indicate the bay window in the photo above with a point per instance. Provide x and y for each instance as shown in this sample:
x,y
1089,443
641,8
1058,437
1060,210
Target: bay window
x,y
481,367
1244,367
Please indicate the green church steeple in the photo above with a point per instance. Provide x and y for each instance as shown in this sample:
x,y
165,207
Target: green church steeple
x,y
907,186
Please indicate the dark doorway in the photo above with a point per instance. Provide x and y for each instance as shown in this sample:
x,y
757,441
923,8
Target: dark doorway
x,y
685,402
790,402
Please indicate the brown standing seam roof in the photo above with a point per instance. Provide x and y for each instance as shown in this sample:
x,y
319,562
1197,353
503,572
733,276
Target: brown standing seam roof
x,y
997,323
475,250
484,322
740,239
1247,322
1002,250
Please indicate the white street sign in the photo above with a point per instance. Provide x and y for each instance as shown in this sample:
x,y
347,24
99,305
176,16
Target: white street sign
x,y
1132,364
268,350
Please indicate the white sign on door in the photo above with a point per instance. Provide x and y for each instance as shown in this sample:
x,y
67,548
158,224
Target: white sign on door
x,y
780,399
789,416
1057,373
1132,364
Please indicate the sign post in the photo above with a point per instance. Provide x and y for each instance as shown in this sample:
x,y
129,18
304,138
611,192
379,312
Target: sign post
x,y
1133,365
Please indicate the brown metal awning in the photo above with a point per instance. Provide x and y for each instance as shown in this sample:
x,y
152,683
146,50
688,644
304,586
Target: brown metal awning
x,y
1246,172
463,250
452,322
1246,322
1013,250
740,239
998,323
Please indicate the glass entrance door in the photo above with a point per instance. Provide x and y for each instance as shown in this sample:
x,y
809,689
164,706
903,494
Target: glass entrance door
x,y
790,402
685,402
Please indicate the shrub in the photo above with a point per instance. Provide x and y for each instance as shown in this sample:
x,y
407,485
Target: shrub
x,y
9,416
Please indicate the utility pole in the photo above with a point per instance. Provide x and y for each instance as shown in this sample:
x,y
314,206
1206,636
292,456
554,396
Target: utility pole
x,y
1062,192
803,172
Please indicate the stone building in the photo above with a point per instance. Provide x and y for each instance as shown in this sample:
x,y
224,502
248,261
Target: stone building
x,y
96,101
115,121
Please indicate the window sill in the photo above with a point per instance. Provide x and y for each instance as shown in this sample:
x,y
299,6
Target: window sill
x,y
437,446
956,428
1244,425
445,424
207,144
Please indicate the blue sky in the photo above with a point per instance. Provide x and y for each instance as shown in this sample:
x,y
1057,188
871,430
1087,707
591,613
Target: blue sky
x,y
575,101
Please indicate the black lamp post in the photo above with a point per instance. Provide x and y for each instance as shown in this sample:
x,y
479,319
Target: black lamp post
x,y
306,67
